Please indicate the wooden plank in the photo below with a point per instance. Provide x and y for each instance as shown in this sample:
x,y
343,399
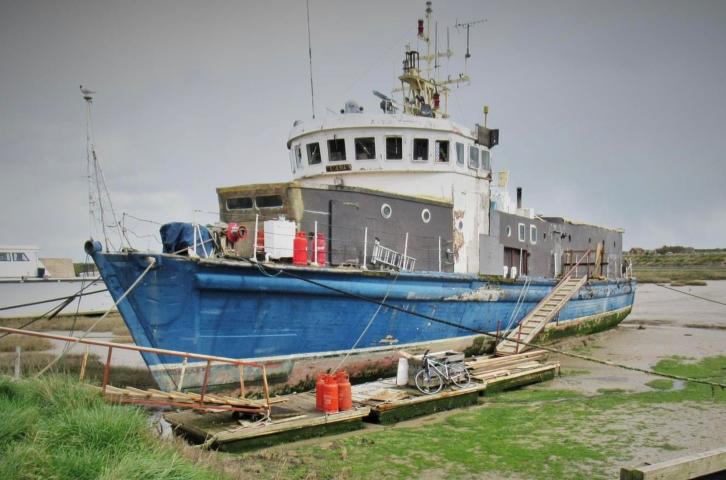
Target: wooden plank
x,y
690,466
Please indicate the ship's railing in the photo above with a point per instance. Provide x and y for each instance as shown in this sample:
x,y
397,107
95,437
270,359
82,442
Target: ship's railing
x,y
202,401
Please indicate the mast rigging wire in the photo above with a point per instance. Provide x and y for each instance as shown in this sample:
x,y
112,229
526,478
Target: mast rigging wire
x,y
310,60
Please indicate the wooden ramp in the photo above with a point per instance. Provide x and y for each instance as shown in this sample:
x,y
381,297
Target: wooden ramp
x,y
540,316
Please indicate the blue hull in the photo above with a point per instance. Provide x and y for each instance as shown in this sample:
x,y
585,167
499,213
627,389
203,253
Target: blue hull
x,y
235,309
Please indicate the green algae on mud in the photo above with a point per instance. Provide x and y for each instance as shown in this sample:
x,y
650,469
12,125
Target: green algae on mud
x,y
527,433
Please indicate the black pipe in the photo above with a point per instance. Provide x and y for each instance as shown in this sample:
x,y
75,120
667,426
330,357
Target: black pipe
x,y
519,197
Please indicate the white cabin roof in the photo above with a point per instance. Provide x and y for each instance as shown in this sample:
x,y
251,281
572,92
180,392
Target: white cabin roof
x,y
19,248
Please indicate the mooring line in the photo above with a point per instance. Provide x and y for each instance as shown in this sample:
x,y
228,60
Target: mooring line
x,y
690,294
491,335
152,262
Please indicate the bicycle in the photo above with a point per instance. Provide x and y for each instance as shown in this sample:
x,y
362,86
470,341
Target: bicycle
x,y
433,374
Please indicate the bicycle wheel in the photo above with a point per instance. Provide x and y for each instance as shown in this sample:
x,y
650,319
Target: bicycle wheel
x,y
460,376
429,382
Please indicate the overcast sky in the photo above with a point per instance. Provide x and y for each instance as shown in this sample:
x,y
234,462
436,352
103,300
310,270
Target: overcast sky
x,y
611,112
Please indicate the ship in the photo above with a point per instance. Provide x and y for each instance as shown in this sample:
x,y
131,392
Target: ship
x,y
395,233
31,286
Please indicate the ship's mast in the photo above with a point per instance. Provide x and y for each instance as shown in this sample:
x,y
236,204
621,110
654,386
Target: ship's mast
x,y
98,193
422,91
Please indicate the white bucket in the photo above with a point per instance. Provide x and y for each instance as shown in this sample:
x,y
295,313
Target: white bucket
x,y
402,374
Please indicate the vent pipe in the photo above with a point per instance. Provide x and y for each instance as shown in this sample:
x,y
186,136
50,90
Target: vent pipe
x,y
519,197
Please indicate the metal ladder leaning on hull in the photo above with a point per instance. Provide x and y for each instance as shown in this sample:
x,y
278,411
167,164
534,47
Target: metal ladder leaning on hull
x,y
537,319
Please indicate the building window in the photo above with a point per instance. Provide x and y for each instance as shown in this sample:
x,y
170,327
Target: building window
x,y
521,232
298,157
314,157
421,149
442,150
485,160
386,210
508,231
394,148
460,154
239,203
268,201
365,148
336,150
426,215
4,257
473,157
533,234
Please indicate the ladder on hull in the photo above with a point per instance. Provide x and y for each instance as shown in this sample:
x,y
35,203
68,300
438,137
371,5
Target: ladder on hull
x,y
537,319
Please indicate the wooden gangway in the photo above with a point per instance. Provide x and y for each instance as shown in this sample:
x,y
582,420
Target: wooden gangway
x,y
518,339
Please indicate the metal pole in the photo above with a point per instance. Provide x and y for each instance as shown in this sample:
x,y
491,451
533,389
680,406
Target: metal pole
x,y
439,254
181,377
107,369
405,252
18,349
365,247
254,246
206,380
315,245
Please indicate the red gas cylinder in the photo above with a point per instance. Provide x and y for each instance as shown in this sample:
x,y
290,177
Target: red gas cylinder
x,y
260,241
345,393
322,250
319,391
300,249
330,394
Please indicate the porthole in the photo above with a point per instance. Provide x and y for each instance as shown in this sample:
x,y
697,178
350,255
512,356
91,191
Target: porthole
x,y
386,210
426,215
460,225
508,230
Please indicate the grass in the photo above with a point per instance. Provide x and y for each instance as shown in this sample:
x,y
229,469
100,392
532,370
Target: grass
x,y
113,323
55,428
681,268
660,384
70,365
27,344
527,433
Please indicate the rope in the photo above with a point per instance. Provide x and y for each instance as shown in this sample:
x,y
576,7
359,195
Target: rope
x,y
691,294
491,335
40,302
370,322
152,262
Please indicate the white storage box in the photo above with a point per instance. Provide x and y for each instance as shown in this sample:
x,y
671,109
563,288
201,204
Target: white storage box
x,y
279,238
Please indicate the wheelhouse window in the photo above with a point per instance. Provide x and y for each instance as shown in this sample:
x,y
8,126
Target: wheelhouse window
x,y
532,234
521,232
298,157
4,257
460,154
485,160
336,150
314,157
421,149
473,157
442,150
394,148
268,201
239,203
365,148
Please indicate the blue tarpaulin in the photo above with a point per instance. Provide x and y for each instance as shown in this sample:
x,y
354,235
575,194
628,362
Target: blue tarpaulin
x,y
178,236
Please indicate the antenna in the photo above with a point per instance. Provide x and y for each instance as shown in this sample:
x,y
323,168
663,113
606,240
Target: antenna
x,y
467,25
310,60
